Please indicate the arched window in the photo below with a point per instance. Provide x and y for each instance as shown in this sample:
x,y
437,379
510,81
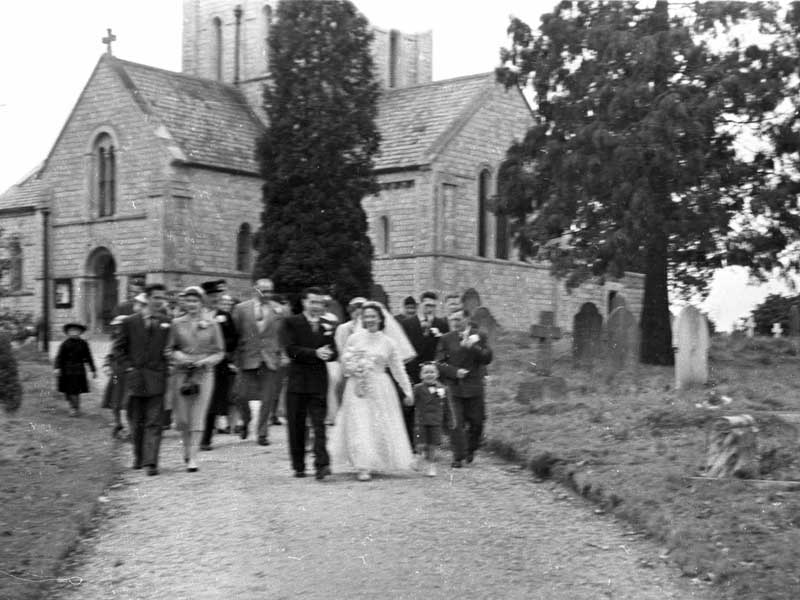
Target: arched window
x,y
216,47
105,175
244,248
384,244
266,24
501,239
14,265
483,196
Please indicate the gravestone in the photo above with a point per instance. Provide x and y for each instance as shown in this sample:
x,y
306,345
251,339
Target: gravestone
x,y
733,448
541,390
692,342
378,294
485,322
751,327
794,320
470,300
623,338
777,330
616,301
587,329
545,331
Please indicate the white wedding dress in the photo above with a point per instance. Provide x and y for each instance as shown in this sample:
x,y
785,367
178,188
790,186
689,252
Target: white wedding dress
x,y
370,434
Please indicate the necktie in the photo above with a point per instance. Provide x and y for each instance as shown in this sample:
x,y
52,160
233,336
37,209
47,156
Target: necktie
x,y
315,326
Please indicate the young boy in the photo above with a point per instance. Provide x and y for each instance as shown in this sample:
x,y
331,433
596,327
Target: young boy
x,y
429,399
69,366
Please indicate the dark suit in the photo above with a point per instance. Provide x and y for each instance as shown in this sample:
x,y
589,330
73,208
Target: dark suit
x,y
140,348
307,387
424,343
467,393
223,376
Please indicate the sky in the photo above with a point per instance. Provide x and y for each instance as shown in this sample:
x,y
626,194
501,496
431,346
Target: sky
x,y
49,48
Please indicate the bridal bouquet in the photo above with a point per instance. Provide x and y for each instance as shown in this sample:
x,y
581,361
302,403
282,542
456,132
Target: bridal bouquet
x,y
358,366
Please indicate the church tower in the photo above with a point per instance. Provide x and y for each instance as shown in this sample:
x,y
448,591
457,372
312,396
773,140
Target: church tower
x,y
226,40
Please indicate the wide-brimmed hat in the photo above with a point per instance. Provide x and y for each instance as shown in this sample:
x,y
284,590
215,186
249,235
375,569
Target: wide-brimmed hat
x,y
410,301
217,286
79,326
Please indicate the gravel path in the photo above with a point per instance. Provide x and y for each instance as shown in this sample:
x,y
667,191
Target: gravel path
x,y
243,528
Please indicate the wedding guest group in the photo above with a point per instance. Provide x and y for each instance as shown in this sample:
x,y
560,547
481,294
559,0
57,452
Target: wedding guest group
x,y
388,387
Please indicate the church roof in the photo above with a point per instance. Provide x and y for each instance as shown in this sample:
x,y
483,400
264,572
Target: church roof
x,y
210,122
416,122
27,194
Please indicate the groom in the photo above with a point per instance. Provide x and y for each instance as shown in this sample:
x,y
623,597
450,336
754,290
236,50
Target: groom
x,y
309,344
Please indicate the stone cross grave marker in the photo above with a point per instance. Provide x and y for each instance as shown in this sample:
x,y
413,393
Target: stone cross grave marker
x,y
794,320
587,329
485,322
751,327
471,300
777,330
617,301
623,338
692,342
545,331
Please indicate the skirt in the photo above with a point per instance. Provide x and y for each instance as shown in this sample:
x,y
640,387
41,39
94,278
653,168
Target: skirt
x,y
189,412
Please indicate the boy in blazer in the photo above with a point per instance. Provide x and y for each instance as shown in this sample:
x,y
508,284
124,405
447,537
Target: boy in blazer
x,y
140,346
462,356
310,344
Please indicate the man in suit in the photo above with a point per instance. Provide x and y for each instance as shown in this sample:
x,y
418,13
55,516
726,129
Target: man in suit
x,y
409,309
423,330
310,344
259,356
140,346
462,356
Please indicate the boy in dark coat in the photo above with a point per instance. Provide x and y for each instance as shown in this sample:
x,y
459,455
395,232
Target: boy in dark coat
x,y
429,399
72,355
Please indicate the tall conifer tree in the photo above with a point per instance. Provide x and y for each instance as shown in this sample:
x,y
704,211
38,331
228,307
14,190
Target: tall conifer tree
x,y
316,156
632,164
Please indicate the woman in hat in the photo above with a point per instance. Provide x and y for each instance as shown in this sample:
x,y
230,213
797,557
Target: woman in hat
x,y
116,395
72,355
197,346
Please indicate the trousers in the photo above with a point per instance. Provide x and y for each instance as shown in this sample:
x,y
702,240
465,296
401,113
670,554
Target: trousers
x,y
144,416
298,408
469,417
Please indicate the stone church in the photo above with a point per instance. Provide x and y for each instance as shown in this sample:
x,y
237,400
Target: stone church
x,y
153,177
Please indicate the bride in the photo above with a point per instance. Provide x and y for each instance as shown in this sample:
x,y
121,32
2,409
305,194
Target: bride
x,y
370,434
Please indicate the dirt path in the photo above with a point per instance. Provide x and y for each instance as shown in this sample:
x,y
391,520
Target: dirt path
x,y
243,528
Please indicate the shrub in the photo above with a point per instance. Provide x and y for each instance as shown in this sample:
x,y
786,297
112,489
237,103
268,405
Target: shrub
x,y
17,325
774,309
10,388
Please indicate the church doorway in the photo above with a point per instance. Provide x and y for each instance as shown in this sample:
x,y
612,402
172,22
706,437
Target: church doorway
x,y
102,293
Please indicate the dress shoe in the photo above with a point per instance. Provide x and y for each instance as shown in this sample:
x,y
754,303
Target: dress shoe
x,y
263,441
223,430
276,421
152,470
299,473
456,464
191,466
470,457
137,465
243,432
205,447
322,472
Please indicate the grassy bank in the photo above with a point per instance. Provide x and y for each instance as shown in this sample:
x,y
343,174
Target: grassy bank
x,y
53,468
631,443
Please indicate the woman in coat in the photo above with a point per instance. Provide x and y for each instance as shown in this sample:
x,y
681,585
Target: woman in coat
x,y
196,347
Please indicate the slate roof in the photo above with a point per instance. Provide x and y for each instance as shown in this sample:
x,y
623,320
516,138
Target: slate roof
x,y
26,193
415,122
210,122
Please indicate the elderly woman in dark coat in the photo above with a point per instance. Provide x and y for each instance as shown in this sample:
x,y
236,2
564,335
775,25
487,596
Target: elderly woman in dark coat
x,y
73,355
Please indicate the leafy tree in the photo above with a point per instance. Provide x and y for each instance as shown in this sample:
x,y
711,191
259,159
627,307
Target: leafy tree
x,y
317,155
632,163
774,309
10,388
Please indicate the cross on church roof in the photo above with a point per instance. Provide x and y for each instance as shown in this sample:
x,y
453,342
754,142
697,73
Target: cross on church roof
x,y
108,39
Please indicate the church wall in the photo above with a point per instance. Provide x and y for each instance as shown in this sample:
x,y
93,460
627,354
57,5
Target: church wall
x,y
131,234
202,216
28,229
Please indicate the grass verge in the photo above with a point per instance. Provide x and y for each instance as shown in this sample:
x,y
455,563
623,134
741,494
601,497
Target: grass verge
x,y
630,443
53,469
